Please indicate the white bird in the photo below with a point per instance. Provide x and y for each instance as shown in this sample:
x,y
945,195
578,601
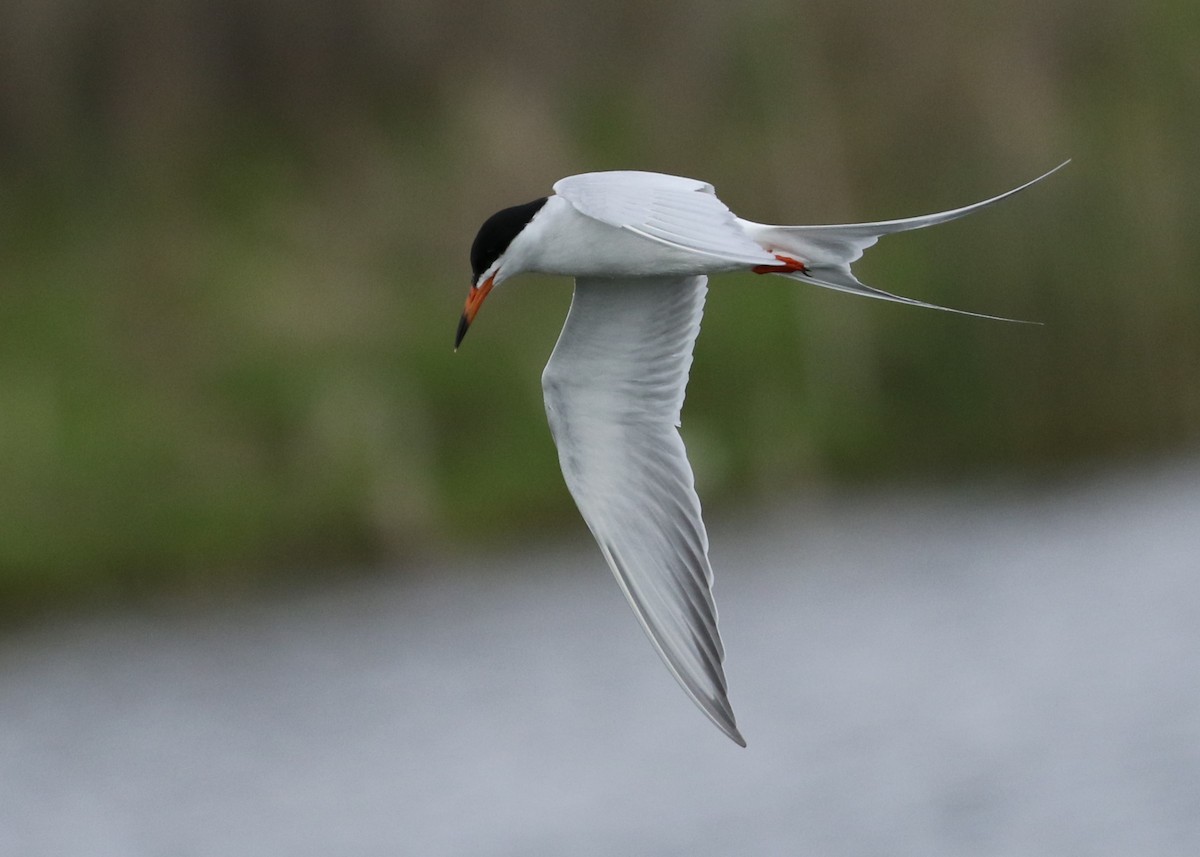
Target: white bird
x,y
640,246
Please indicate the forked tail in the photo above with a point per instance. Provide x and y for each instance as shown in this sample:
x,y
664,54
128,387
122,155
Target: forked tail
x,y
822,255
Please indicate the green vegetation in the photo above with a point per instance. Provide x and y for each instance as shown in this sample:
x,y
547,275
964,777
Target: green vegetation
x,y
233,253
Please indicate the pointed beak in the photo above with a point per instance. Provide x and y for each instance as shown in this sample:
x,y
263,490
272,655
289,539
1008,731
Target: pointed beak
x,y
474,302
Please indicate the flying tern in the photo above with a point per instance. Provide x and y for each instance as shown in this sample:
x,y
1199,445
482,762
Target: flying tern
x,y
640,246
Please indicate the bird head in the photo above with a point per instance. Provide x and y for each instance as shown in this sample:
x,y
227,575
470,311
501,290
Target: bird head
x,y
490,258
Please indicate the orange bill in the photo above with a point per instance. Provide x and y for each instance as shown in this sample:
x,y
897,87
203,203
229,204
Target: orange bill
x,y
474,302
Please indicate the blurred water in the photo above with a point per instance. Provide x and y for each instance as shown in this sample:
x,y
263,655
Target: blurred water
x,y
991,673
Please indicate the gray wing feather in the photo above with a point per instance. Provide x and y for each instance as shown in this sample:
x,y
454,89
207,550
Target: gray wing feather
x,y
614,389
678,212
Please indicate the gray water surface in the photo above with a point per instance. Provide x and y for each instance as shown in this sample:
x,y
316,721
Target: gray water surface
x,y
969,673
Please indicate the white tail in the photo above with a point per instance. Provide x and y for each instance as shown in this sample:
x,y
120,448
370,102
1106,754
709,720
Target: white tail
x,y
828,251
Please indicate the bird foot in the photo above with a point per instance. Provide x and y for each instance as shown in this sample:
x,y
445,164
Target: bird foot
x,y
787,265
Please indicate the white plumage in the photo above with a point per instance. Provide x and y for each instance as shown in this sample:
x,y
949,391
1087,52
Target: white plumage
x,y
640,246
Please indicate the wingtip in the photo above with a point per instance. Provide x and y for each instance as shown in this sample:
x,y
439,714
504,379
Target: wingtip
x,y
723,719
729,726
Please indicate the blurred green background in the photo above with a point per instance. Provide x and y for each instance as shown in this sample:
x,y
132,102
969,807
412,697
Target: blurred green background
x,y
233,252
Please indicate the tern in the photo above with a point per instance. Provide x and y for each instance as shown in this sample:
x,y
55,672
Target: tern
x,y
640,246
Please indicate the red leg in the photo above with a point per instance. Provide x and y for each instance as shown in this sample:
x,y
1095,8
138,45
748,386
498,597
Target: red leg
x,y
787,265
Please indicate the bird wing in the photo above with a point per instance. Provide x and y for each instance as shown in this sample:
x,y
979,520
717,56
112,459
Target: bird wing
x,y
679,212
614,388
